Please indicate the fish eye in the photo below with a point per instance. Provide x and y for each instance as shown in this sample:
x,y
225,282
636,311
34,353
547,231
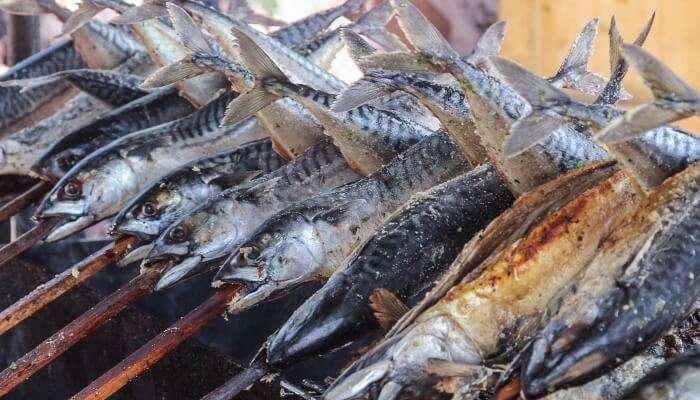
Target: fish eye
x,y
73,189
178,233
149,209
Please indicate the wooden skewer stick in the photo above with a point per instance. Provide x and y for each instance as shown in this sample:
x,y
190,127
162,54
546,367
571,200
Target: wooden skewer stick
x,y
20,202
46,293
80,327
148,354
237,384
27,240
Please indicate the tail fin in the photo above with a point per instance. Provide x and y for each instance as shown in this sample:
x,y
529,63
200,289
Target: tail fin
x,y
421,33
85,12
573,73
263,68
674,99
148,10
357,45
613,91
489,44
530,130
373,25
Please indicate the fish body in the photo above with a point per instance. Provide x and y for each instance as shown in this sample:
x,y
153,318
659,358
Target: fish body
x,y
162,202
21,149
641,283
498,304
311,239
405,256
153,109
102,183
216,228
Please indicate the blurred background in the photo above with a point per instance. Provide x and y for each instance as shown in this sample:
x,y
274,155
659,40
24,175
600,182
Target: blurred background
x,y
538,35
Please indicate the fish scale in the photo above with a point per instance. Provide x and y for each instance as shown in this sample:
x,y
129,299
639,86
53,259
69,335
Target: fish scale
x,y
217,227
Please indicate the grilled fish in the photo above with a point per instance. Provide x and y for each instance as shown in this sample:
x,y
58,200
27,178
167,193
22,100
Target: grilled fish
x,y
215,229
153,109
101,184
311,239
405,256
162,202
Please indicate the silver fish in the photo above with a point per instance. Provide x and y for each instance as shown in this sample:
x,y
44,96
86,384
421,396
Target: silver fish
x,y
162,202
102,183
153,109
311,239
219,226
20,150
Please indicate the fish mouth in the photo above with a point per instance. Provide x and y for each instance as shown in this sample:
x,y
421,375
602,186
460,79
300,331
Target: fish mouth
x,y
70,227
135,255
68,209
239,267
144,230
162,251
188,267
359,382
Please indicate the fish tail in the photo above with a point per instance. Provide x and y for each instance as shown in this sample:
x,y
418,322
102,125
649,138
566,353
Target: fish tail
x,y
674,99
420,32
573,72
263,69
490,42
149,9
543,96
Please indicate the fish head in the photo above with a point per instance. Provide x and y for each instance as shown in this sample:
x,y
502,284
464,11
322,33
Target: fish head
x,y
402,363
197,238
285,251
91,192
55,164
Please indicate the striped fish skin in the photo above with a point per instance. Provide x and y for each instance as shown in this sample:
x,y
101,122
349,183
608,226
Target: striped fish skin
x,y
216,228
162,202
642,282
15,106
153,109
310,27
368,137
102,183
405,256
21,149
311,239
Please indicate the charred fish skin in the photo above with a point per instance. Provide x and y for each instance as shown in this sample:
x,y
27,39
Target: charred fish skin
x,y
220,225
623,307
163,201
312,238
153,109
677,379
101,184
405,256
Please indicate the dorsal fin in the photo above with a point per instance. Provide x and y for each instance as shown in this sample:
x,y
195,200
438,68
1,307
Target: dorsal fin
x,y
489,44
420,32
387,307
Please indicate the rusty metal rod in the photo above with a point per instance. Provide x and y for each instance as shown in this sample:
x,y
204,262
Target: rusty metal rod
x,y
240,382
23,200
59,342
46,293
148,354
27,240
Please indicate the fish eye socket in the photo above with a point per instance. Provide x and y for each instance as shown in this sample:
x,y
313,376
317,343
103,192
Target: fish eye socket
x,y
178,233
149,209
73,189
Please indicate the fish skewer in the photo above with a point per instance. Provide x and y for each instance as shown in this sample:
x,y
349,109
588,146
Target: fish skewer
x,y
23,200
63,282
27,240
59,342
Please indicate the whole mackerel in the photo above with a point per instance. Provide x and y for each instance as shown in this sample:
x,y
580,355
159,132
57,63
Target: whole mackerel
x,y
162,202
102,183
310,240
158,107
406,255
216,228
